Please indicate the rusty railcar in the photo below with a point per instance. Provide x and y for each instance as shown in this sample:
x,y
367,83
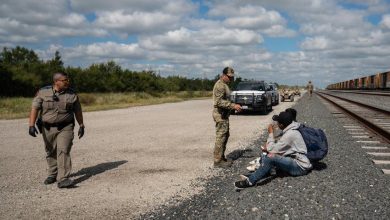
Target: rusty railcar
x,y
378,81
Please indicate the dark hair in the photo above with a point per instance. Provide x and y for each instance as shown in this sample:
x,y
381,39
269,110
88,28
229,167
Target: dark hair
x,y
225,70
293,113
284,118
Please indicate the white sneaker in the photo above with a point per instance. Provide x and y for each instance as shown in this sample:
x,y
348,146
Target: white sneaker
x,y
253,167
255,161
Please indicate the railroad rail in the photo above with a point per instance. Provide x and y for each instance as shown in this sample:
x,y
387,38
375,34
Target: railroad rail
x,y
376,93
370,116
375,119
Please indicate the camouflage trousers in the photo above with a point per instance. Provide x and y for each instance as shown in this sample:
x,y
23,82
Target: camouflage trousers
x,y
221,139
58,144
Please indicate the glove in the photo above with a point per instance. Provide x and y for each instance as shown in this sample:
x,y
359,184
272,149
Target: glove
x,y
32,131
81,132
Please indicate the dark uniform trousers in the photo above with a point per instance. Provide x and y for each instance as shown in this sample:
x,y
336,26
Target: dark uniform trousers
x,y
58,143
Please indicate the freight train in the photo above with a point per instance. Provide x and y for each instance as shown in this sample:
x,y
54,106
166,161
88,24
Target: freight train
x,y
379,81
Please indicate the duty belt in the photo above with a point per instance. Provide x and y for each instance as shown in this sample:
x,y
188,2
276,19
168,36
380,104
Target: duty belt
x,y
59,125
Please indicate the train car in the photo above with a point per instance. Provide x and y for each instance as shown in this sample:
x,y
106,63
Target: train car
x,y
351,84
380,81
383,81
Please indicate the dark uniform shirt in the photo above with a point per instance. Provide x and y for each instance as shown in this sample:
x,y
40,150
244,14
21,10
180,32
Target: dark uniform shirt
x,y
222,103
56,110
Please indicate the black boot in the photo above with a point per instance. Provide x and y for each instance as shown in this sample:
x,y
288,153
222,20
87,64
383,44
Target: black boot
x,y
50,180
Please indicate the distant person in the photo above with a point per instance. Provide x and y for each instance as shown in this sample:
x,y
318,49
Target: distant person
x,y
288,154
310,88
58,106
221,113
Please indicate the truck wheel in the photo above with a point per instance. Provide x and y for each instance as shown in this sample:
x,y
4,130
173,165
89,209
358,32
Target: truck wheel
x,y
269,109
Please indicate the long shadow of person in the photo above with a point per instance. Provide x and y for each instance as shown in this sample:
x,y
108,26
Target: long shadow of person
x,y
234,155
86,173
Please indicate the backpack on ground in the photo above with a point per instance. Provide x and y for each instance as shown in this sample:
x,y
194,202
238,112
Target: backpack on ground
x,y
316,142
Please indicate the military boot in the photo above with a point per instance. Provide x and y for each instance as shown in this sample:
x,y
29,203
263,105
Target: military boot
x,y
50,180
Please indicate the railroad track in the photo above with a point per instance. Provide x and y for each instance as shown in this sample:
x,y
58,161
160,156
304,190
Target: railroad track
x,y
372,129
376,93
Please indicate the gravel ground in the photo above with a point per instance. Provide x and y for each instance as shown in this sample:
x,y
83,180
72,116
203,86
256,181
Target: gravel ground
x,y
377,101
345,185
129,162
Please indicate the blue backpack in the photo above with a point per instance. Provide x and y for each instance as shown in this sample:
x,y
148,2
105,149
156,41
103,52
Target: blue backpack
x,y
316,142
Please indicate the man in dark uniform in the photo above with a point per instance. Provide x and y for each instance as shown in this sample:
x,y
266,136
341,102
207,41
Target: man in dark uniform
x,y
221,113
58,105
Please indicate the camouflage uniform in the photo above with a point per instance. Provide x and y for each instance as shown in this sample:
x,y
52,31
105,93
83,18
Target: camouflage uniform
x,y
221,113
310,88
57,113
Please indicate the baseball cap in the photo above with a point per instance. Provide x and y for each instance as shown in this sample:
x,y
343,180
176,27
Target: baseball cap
x,y
284,118
228,71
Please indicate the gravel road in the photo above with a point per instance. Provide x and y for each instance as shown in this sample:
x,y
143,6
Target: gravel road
x,y
130,162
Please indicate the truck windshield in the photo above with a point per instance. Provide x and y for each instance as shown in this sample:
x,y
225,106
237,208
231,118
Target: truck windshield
x,y
250,86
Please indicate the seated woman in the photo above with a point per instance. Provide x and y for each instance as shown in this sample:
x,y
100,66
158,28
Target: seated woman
x,y
288,154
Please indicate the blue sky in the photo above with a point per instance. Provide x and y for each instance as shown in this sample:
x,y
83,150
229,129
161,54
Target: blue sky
x,y
289,42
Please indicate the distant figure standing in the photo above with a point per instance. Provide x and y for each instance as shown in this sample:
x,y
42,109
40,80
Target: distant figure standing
x,y
221,113
58,106
310,88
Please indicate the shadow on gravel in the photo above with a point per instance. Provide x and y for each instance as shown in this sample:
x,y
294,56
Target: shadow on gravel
x,y
319,166
234,155
251,113
86,173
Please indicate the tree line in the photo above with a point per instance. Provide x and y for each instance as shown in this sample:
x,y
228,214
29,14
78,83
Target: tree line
x,y
22,73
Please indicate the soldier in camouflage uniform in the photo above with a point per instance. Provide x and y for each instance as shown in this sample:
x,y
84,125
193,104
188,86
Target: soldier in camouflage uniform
x,y
58,106
310,87
221,113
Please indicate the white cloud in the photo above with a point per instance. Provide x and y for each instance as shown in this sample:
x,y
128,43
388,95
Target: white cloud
x,y
106,50
73,20
177,7
254,18
188,41
317,43
385,22
137,22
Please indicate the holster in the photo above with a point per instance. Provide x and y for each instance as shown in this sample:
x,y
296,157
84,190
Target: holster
x,y
39,124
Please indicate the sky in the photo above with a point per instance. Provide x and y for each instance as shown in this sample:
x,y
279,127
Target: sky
x,y
288,42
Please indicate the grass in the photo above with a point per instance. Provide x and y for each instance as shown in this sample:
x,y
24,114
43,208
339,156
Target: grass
x,y
19,107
